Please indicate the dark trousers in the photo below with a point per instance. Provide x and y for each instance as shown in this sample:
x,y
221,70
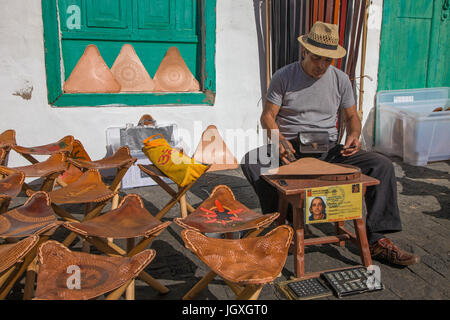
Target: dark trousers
x,y
381,200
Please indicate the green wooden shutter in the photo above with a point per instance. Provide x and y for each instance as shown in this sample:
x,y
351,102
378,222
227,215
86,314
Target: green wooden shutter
x,y
413,39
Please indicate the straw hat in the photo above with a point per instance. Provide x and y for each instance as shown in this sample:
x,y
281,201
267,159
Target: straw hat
x,y
323,40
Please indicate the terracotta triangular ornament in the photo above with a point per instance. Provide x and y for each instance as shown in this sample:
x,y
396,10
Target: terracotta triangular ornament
x,y
173,75
91,75
213,150
130,72
311,167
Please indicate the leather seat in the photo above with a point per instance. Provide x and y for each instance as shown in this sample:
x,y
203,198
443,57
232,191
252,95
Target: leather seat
x,y
48,170
10,188
222,213
98,274
119,159
129,220
62,145
32,218
88,188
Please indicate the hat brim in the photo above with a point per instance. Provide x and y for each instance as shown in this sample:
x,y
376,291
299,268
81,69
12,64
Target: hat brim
x,y
335,54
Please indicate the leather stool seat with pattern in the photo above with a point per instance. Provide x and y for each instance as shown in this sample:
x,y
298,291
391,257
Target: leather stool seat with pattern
x,y
10,188
99,275
13,258
48,170
88,189
222,213
245,265
63,145
34,218
129,221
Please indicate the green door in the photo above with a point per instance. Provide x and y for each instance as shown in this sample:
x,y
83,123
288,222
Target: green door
x,y
415,44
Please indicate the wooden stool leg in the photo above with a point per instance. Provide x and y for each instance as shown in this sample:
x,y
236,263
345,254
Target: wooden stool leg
x,y
30,278
199,286
282,209
361,236
152,282
183,206
130,292
116,198
299,243
337,226
251,292
118,292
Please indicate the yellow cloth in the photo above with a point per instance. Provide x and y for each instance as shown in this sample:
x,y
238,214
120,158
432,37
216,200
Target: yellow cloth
x,y
180,168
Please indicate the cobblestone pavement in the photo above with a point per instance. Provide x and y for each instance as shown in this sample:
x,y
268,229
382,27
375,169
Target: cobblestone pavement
x,y
424,199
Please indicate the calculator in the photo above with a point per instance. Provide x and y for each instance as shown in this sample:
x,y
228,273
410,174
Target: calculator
x,y
307,289
352,281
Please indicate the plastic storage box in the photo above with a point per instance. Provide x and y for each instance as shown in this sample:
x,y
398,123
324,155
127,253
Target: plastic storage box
x,y
406,126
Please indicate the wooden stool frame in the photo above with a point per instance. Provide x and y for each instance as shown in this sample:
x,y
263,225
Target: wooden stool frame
x,y
294,194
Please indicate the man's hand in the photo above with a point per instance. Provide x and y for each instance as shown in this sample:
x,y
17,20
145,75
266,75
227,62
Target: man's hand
x,y
353,123
352,146
286,151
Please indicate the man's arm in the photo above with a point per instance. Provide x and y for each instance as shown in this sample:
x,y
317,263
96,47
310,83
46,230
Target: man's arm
x,y
269,123
353,126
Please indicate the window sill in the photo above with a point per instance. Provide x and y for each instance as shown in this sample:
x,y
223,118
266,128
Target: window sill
x,y
134,99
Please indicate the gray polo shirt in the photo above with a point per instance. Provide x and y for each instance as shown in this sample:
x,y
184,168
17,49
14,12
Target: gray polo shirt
x,y
306,103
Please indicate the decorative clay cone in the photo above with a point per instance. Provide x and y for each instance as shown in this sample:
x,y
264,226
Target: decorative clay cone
x,y
173,75
130,72
91,75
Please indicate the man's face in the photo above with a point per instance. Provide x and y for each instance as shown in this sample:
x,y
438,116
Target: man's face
x,y
317,206
314,65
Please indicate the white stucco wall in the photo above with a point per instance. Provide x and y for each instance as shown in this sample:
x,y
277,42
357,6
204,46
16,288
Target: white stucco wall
x,y
238,98
37,123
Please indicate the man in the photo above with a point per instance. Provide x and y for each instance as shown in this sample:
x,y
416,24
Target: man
x,y
306,97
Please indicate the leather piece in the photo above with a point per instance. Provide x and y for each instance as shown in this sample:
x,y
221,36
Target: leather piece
x,y
119,159
213,150
13,253
88,188
129,71
173,75
91,75
73,173
2,156
129,220
8,139
63,145
243,261
311,167
35,217
222,213
11,186
55,163
99,274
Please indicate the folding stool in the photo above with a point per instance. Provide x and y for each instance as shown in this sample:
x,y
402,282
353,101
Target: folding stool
x,y
245,265
97,275
129,221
